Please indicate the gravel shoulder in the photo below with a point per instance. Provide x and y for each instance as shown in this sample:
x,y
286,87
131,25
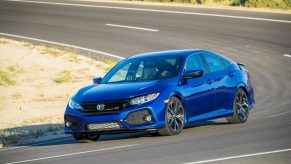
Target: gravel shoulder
x,y
36,82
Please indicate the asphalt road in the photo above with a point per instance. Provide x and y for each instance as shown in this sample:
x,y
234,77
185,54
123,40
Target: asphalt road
x,y
263,43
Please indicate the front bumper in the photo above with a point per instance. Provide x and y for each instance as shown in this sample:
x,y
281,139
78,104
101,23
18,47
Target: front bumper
x,y
82,121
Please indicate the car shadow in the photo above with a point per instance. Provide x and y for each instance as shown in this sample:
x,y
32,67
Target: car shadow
x,y
206,123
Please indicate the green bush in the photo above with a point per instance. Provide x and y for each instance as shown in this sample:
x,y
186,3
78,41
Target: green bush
x,y
276,4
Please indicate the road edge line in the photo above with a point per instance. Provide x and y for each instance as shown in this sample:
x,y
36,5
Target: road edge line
x,y
61,44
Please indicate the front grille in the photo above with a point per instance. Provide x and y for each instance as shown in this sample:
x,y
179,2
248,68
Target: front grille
x,y
105,107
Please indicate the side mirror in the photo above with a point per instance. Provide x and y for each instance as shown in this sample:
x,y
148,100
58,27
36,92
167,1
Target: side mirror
x,y
97,80
192,74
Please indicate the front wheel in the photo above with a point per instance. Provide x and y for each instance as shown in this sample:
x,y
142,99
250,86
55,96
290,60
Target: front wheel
x,y
86,137
240,107
174,118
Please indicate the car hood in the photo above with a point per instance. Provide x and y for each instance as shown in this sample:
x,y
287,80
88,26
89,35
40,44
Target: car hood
x,y
115,91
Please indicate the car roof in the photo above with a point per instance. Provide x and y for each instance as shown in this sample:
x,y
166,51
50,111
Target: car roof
x,y
184,53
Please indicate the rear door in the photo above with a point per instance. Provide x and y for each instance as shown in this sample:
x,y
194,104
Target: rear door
x,y
222,77
200,94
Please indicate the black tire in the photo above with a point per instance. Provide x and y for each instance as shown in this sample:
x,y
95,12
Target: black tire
x,y
86,137
175,118
240,108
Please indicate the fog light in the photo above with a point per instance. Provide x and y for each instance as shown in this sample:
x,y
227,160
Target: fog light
x,y
72,122
148,118
68,124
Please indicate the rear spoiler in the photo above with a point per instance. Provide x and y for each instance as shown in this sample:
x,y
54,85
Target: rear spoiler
x,y
241,64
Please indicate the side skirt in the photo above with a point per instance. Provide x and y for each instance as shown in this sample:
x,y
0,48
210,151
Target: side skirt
x,y
212,115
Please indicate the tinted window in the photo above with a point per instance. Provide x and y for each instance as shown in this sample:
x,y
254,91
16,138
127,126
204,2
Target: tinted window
x,y
147,68
194,63
214,62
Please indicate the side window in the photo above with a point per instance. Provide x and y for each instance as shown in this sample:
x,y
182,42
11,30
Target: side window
x,y
193,63
214,63
139,71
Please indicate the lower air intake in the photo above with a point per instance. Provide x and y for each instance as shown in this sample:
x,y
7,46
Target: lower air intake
x,y
104,126
139,117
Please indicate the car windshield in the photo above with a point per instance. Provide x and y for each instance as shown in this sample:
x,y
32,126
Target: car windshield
x,y
141,69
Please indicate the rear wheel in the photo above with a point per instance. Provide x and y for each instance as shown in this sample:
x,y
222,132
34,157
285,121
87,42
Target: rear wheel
x,y
174,118
240,107
86,137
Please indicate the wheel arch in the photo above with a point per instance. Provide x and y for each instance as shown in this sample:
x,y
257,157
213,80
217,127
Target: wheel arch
x,y
243,87
179,96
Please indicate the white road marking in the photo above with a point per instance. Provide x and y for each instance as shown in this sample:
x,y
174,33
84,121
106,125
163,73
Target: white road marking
x,y
14,147
239,156
154,10
132,27
71,154
287,55
41,143
62,44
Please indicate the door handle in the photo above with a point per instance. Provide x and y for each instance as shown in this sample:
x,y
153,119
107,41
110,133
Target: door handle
x,y
231,74
210,81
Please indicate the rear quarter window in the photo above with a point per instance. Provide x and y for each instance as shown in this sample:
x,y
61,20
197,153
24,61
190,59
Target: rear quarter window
x,y
213,62
225,63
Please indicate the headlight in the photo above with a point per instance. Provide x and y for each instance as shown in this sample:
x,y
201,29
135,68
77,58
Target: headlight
x,y
144,99
74,105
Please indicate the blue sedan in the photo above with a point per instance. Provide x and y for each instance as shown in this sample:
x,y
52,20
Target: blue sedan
x,y
161,91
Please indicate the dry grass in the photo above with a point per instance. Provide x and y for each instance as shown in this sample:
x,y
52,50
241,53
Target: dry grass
x,y
15,68
64,77
30,46
6,78
16,95
8,74
51,51
3,41
73,54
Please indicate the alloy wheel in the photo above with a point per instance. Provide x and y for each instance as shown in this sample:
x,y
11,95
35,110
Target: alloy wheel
x,y
242,106
175,116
